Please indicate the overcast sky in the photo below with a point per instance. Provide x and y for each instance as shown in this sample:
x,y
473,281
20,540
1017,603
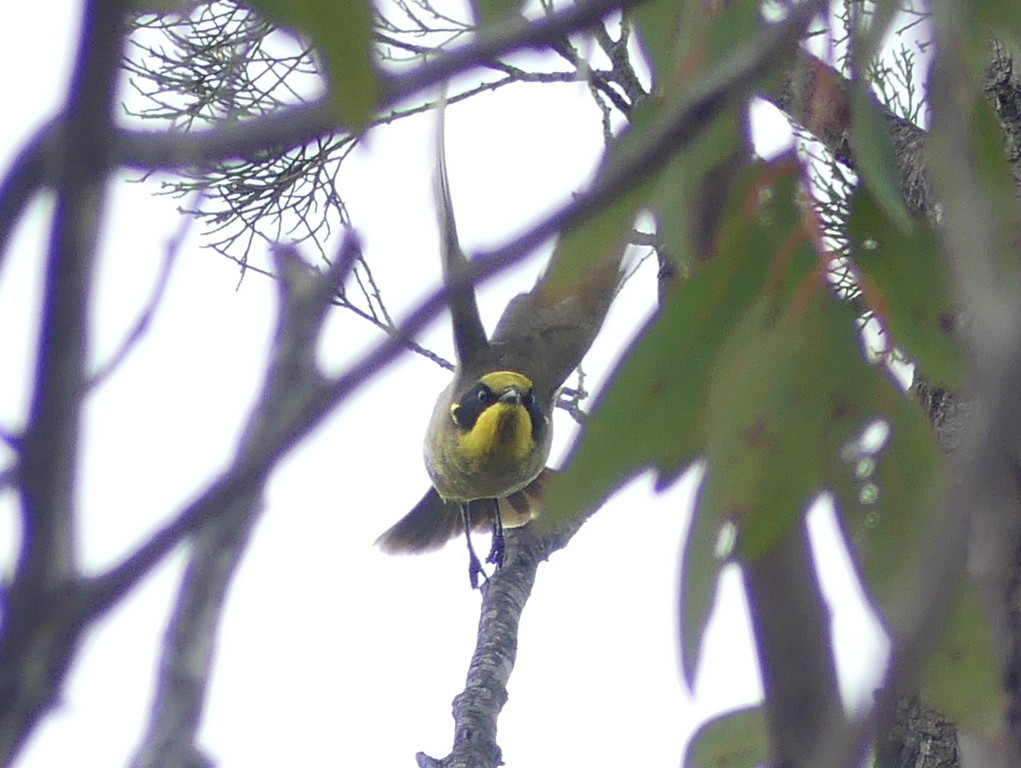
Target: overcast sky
x,y
332,653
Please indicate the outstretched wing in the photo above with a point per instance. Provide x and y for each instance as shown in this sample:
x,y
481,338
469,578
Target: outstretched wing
x,y
469,335
555,332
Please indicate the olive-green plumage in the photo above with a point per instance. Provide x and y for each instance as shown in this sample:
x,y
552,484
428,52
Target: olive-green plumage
x,y
490,432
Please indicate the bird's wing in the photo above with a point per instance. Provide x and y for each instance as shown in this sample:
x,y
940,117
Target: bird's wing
x,y
557,331
469,335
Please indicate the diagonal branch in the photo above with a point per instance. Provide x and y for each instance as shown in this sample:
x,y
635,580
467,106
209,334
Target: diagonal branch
x,y
155,150
142,323
217,548
817,97
675,134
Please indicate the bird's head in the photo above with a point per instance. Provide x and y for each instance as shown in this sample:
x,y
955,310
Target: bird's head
x,y
499,419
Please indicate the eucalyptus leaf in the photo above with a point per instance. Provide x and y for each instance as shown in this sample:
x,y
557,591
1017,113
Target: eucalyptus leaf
x,y
736,739
343,33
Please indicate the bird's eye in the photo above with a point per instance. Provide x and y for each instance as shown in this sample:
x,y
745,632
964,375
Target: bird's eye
x,y
486,396
528,400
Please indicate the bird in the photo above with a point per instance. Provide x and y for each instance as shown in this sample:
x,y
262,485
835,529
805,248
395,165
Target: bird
x,y
490,433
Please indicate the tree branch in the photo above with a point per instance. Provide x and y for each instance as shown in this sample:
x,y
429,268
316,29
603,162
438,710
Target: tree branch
x,y
39,632
791,627
156,150
160,150
217,547
818,97
141,325
675,134
477,708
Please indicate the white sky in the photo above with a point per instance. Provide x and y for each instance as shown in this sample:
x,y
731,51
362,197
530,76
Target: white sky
x,y
332,653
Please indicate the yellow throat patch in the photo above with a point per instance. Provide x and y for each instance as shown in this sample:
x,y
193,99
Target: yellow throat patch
x,y
502,434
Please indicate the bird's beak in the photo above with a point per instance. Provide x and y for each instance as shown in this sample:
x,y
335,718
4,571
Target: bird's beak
x,y
512,396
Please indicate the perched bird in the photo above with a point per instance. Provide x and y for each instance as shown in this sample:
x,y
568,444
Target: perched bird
x,y
490,433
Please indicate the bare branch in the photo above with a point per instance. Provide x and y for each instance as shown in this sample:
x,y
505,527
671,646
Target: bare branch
x,y
141,325
790,623
504,595
674,132
39,631
217,546
27,174
156,150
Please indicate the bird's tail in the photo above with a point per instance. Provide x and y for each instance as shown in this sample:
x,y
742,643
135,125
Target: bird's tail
x,y
433,522
428,526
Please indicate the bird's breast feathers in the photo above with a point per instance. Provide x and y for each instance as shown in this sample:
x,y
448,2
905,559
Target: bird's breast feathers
x,y
501,435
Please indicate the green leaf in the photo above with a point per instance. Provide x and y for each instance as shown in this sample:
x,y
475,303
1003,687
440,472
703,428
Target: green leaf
x,y
700,572
787,401
961,678
651,411
886,496
996,176
751,402
993,19
737,739
658,24
342,31
875,157
683,42
873,21
681,191
492,12
906,282
776,385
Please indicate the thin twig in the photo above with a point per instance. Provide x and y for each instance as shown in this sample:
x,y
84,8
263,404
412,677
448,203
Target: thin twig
x,y
157,150
141,325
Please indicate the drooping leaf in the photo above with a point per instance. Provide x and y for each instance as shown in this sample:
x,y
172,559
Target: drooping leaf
x,y
683,40
874,155
700,572
872,22
650,414
751,400
798,382
989,19
961,678
684,188
658,24
772,450
767,407
342,31
905,280
736,739
999,189
885,494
